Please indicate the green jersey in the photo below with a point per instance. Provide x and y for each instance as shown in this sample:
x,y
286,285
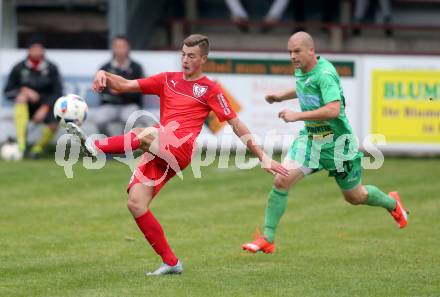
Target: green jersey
x,y
317,88
328,144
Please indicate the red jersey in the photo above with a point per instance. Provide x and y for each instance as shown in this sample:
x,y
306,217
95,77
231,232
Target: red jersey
x,y
187,102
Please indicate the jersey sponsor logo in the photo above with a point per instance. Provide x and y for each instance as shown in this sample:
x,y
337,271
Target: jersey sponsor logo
x,y
223,104
316,130
199,90
309,101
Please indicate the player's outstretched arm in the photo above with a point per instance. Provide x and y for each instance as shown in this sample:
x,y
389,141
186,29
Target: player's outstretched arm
x,y
281,96
327,112
245,136
104,79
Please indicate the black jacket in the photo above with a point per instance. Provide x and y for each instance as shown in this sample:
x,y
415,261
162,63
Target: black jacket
x,y
45,80
131,70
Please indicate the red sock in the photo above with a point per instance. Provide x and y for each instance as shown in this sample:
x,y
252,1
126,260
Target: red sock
x,y
154,234
115,144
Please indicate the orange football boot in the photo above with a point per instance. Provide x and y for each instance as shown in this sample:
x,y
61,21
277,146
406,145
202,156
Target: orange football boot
x,y
399,214
260,243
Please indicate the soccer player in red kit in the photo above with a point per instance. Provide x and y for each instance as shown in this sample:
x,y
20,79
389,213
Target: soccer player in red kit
x,y
186,98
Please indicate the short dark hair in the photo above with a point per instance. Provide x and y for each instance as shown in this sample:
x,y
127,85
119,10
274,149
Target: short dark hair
x,y
200,40
123,37
35,39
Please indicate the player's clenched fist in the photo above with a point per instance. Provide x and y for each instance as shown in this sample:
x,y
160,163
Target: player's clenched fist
x,y
289,115
271,98
100,81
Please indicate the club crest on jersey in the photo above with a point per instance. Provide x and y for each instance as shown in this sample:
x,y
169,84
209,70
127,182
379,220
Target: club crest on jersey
x,y
199,90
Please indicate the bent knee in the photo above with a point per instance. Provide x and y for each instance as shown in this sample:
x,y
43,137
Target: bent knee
x,y
136,206
137,131
356,196
356,199
353,200
21,99
281,183
146,135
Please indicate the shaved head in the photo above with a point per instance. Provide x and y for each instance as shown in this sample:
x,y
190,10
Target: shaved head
x,y
302,51
302,38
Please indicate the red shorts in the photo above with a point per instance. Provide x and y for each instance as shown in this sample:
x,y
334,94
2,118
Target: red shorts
x,y
157,170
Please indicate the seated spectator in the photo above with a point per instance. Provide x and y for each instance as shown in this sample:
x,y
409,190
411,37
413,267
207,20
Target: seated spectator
x,y
34,84
118,107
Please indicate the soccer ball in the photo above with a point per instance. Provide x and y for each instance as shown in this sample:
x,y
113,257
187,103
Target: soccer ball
x,y
11,152
70,108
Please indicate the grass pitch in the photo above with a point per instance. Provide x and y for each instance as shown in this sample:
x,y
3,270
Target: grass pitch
x,y
61,237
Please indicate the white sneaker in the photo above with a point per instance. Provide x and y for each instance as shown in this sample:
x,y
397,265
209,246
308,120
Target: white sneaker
x,y
167,269
88,147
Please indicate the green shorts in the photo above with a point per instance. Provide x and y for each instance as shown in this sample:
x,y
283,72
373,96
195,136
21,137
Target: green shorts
x,y
343,164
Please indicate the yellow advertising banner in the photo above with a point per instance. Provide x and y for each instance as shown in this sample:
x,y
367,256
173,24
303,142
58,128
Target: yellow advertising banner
x,y
406,105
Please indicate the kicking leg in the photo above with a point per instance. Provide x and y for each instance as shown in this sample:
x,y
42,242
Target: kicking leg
x,y
144,138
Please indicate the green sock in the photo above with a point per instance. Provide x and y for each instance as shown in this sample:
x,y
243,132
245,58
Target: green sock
x,y
378,198
276,205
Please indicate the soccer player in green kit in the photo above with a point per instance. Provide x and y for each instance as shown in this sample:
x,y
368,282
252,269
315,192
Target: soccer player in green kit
x,y
326,142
